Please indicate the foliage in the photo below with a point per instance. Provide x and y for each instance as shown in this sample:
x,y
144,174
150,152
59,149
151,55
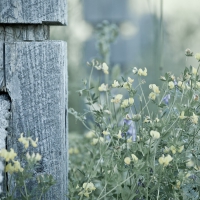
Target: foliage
x,y
132,152
22,183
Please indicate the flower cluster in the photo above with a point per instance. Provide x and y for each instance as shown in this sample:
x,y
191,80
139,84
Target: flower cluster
x,y
140,146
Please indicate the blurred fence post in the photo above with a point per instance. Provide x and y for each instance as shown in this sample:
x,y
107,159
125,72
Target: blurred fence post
x,y
33,76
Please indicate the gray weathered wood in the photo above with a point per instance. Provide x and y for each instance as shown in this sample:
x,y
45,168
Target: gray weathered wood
x,y
16,33
1,64
4,124
52,12
36,82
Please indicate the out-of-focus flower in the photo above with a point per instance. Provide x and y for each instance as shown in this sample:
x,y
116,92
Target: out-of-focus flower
x,y
106,133
135,70
127,160
189,163
171,85
103,87
131,101
24,141
125,103
115,84
181,85
165,160
119,135
166,99
162,78
127,85
152,96
155,134
194,70
88,188
117,98
130,80
180,149
8,155
90,134
105,68
155,88
142,72
194,119
134,157
188,52
197,56
198,84
147,119
182,115
173,149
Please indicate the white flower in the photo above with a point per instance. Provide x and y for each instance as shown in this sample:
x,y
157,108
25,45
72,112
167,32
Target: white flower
x,y
105,68
155,134
135,70
115,84
130,80
117,98
171,85
103,87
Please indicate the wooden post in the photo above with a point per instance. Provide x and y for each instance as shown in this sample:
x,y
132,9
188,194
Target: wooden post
x,y
33,78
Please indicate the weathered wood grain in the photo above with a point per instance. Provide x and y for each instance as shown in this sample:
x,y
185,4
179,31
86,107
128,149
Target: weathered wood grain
x,y
4,124
36,82
53,12
16,33
1,64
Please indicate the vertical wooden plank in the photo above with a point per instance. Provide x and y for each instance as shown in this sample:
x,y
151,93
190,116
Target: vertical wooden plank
x,y
4,124
1,64
36,82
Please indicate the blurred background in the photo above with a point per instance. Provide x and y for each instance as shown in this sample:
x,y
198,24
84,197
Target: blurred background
x,y
126,34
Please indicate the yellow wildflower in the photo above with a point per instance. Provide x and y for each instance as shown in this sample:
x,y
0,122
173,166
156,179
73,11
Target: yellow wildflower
x,y
171,85
197,56
90,134
152,96
134,157
180,149
124,103
33,143
165,160
182,116
117,98
173,149
105,68
95,141
181,85
115,84
155,88
142,72
8,155
194,119
87,189
119,135
155,134
103,87
194,70
127,160
127,85
24,140
131,101
9,168
17,166
130,80
106,133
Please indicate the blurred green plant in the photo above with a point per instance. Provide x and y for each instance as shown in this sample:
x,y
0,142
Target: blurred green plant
x,y
130,152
